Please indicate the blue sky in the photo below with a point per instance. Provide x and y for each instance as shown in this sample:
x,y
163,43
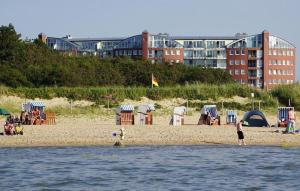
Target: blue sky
x,y
111,18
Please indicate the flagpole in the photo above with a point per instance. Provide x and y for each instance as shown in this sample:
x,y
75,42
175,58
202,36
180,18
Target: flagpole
x,y
151,80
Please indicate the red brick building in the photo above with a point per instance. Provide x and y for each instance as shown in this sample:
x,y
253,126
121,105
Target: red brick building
x,y
261,60
156,48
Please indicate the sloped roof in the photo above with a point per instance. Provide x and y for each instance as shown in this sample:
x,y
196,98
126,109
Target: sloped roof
x,y
37,104
125,108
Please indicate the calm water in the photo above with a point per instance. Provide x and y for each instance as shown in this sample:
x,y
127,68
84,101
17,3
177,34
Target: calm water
x,y
150,168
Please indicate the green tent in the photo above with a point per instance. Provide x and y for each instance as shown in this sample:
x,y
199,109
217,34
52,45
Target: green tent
x,y
4,112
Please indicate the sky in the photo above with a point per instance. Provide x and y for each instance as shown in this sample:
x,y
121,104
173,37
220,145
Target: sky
x,y
121,18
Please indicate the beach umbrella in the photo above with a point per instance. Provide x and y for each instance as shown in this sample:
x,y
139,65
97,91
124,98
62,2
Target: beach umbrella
x,y
4,112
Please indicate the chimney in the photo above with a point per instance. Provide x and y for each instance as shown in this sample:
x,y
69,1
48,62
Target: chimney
x,y
43,37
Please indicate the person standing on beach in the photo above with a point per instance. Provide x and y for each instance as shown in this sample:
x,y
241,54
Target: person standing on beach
x,y
240,133
122,133
291,116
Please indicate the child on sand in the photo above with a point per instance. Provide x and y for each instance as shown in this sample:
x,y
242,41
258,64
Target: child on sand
x,y
240,133
122,133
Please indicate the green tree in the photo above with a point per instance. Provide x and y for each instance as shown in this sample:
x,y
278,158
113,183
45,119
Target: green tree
x,y
9,41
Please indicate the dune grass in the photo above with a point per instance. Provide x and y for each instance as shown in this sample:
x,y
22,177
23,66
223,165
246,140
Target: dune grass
x,y
207,93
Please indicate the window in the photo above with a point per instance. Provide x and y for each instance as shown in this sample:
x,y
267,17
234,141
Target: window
x,y
242,62
231,52
284,53
237,72
242,72
288,53
279,62
231,62
270,72
166,52
242,52
259,53
259,63
237,62
177,52
259,73
270,52
177,61
172,52
279,72
283,62
270,81
292,53
270,62
230,72
237,52
274,72
284,72
288,62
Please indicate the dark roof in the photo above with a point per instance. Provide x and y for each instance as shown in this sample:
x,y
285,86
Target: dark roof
x,y
205,37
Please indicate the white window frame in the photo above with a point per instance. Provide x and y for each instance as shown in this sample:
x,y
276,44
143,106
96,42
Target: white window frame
x,y
243,72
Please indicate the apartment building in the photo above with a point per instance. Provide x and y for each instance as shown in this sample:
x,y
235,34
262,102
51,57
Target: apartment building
x,y
260,60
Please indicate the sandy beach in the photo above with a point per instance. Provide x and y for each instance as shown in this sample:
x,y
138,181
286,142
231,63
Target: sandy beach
x,y
84,131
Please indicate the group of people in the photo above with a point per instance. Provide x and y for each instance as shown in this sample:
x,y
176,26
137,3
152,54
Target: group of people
x,y
13,126
31,118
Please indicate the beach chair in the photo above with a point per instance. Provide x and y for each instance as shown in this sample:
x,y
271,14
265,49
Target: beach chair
x,y
283,116
145,114
231,117
209,116
125,115
177,118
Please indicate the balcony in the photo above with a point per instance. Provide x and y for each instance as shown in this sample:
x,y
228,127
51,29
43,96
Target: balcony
x,y
254,66
254,76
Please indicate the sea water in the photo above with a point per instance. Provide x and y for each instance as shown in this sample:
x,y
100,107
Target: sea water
x,y
150,168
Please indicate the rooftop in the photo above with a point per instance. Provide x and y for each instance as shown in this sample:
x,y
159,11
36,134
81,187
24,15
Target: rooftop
x,y
205,37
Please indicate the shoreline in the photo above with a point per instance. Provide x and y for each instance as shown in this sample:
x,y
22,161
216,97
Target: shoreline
x,y
145,145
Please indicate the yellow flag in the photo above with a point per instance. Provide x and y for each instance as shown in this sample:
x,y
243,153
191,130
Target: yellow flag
x,y
154,81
